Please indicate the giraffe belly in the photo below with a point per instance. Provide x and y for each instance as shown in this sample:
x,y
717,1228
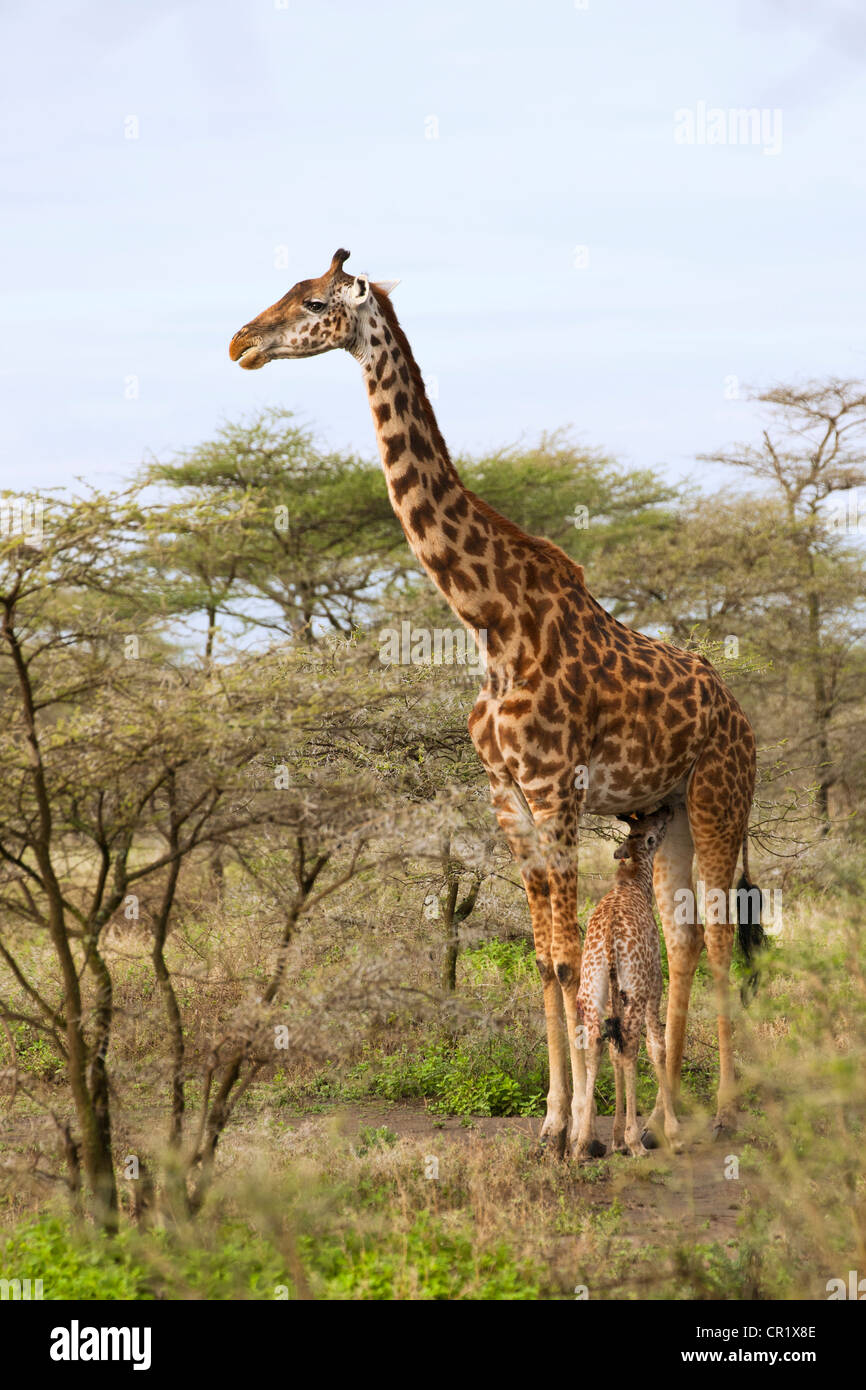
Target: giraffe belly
x,y
609,794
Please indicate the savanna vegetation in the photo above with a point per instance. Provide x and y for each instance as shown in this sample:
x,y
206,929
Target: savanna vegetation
x,y
270,1023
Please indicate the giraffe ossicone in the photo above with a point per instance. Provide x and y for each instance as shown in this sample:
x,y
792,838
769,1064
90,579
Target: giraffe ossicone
x,y
567,686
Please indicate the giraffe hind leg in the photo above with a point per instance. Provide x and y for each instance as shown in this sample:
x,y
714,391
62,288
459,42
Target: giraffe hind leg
x,y
656,1048
674,891
719,797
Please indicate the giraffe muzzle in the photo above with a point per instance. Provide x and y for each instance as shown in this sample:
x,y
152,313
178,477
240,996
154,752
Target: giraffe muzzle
x,y
247,350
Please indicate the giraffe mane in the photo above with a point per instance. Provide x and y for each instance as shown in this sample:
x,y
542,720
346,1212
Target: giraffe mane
x,y
540,544
387,310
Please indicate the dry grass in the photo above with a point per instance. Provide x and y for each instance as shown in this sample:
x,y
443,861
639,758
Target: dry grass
x,y
335,1191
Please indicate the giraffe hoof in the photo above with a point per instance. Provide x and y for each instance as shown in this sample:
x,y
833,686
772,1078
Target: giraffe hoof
x,y
594,1149
649,1140
552,1145
722,1131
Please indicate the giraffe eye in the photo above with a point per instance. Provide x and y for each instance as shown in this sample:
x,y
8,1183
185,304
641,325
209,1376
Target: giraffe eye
x,y
315,306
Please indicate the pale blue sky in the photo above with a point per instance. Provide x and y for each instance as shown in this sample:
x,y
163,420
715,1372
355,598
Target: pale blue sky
x,y
304,127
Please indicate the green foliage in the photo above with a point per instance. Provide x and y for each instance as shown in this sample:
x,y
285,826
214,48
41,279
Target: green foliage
x,y
509,960
575,496
271,531
476,1075
35,1054
72,1265
372,1138
232,1261
708,1270
426,1262
228,1260
470,1077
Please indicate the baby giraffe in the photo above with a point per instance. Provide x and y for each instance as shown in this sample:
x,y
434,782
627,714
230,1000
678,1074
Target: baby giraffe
x,y
621,985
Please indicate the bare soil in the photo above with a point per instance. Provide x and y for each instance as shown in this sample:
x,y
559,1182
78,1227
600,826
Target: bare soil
x,y
687,1192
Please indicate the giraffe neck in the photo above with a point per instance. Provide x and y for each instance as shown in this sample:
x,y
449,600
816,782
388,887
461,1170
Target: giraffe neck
x,y
638,872
451,531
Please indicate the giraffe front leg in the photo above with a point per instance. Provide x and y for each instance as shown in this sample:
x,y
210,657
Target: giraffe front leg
x,y
630,1024
558,837
554,1128
516,820
583,1094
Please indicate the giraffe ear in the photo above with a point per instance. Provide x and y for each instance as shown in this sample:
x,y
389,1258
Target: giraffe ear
x,y
385,286
360,291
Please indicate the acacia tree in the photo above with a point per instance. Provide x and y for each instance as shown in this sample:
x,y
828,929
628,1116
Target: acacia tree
x,y
39,681
271,530
118,765
268,528
578,497
814,448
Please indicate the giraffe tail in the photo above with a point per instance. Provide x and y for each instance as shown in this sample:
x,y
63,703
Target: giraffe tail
x,y
750,933
612,1028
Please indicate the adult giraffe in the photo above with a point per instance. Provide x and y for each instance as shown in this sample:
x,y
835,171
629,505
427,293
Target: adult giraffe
x,y
578,712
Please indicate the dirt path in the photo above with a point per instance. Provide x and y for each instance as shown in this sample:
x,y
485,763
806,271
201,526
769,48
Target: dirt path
x,y
688,1191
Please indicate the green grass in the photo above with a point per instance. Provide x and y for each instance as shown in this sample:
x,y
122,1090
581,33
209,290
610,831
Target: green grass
x,y
233,1261
371,1138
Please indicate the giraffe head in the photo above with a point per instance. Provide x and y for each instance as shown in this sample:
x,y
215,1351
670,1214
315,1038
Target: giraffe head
x,y
645,835
314,317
